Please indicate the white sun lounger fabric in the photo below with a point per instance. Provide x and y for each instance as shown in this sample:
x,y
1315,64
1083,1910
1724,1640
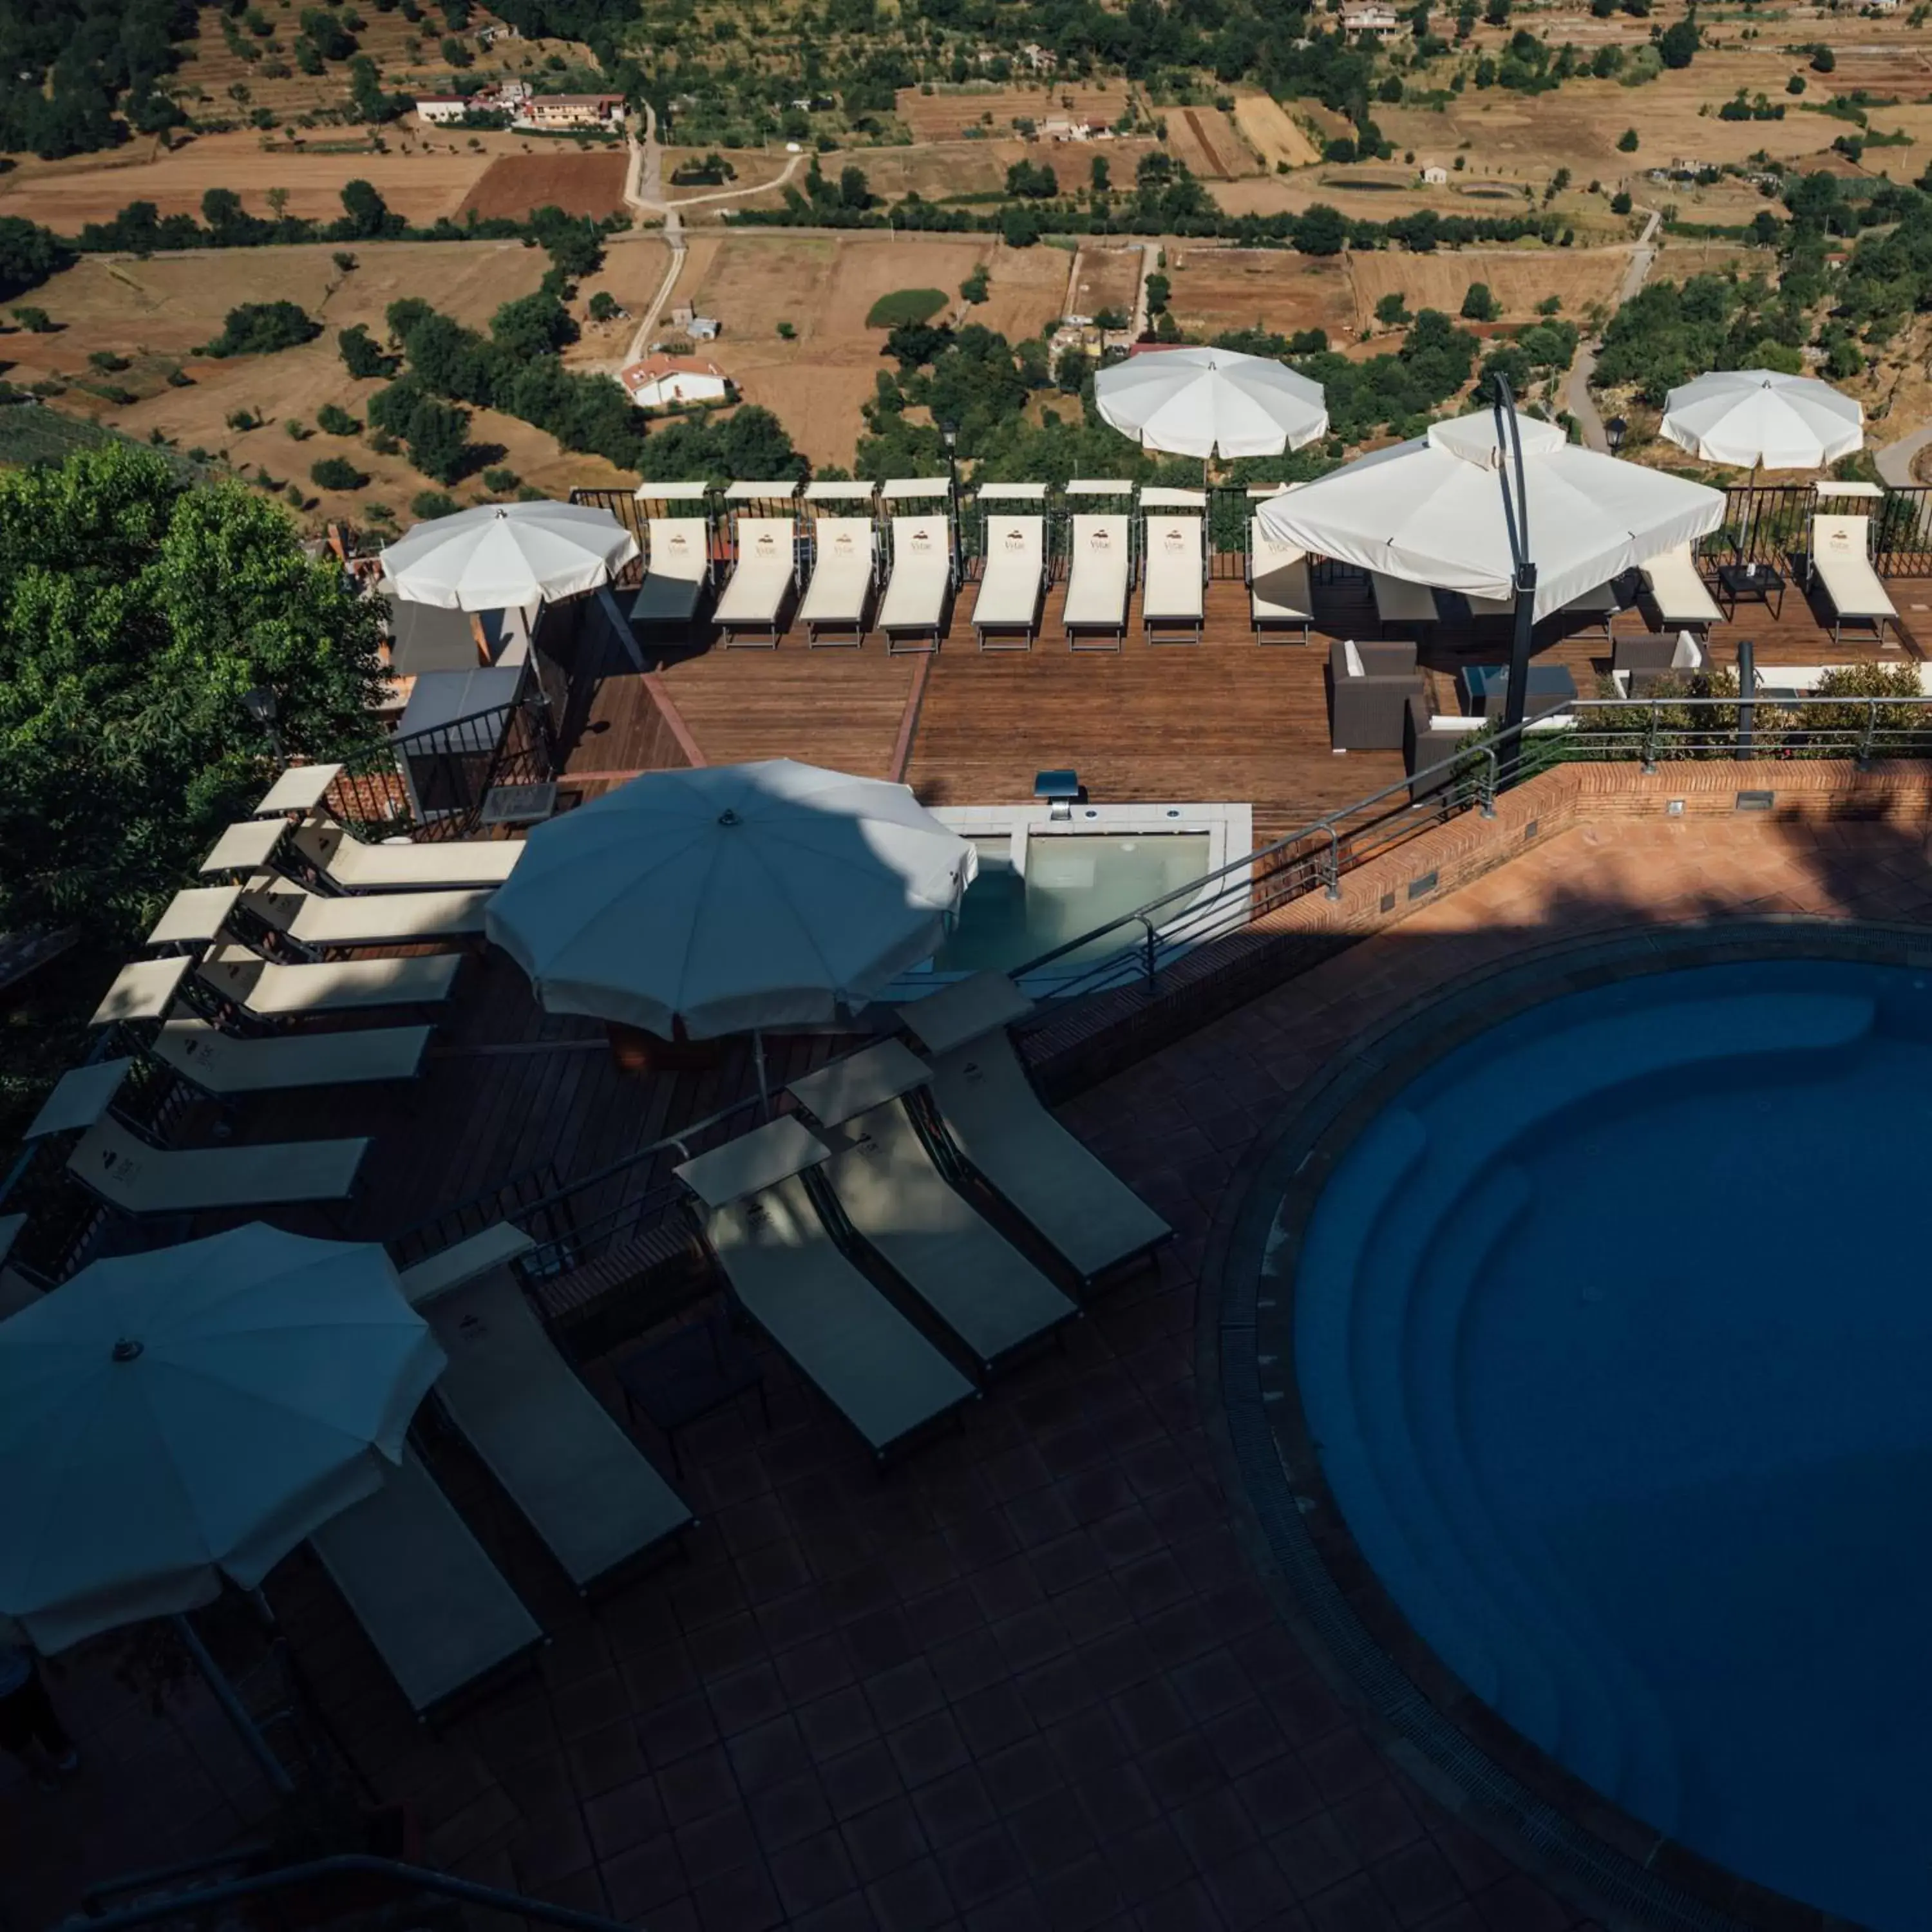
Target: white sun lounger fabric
x,y
585,1487
754,598
675,572
1010,586
1399,602
1084,1211
301,788
246,847
428,1596
128,1174
417,865
220,1064
978,1284
286,992
1175,580
1099,577
1279,595
915,600
1683,603
368,919
1841,560
847,1339
841,577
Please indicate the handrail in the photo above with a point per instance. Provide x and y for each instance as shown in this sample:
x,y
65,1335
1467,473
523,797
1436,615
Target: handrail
x,y
346,1864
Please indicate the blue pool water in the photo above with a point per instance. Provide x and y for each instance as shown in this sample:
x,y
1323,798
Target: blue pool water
x,y
1614,1332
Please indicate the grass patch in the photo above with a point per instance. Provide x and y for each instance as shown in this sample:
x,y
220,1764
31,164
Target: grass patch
x,y
905,305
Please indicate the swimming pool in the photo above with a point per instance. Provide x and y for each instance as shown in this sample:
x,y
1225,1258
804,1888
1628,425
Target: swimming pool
x,y
1611,1332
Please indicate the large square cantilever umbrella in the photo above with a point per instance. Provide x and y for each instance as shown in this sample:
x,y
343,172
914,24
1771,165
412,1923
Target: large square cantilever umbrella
x,y
730,898
171,1418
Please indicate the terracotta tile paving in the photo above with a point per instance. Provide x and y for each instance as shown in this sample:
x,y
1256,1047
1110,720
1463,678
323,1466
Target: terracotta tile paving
x,y
1027,1678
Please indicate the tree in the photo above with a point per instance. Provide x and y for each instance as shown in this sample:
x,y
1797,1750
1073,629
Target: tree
x,y
976,286
438,435
29,255
332,419
1392,311
456,52
365,215
1823,60
1478,304
1159,293
35,321
1070,370
603,306
1795,84
1019,226
361,356
854,191
1320,230
1627,142
260,328
134,612
1620,203
337,472
1677,45
531,325
1097,174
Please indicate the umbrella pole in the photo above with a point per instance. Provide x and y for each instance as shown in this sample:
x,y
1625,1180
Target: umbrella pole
x,y
272,1767
764,1084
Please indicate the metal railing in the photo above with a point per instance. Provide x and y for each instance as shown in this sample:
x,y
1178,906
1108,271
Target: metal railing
x,y
1136,947
1764,522
432,783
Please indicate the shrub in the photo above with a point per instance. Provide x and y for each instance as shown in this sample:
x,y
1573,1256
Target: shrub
x,y
1795,84
1478,304
260,328
913,305
1823,60
298,430
603,306
114,393
360,355
502,480
428,504
35,321
337,473
243,419
334,420
1620,204
1627,142
344,260
107,361
976,286
787,332
1392,310
383,443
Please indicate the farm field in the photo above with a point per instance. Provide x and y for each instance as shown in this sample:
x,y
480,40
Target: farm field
x,y
1218,289
824,288
1206,141
1105,278
417,184
1519,278
947,113
156,312
513,184
1272,132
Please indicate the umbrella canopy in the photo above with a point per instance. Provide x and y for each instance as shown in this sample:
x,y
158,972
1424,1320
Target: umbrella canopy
x,y
1431,510
1210,402
1757,419
501,556
730,897
169,1418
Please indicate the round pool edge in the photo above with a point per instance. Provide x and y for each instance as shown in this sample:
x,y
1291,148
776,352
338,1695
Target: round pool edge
x,y
1546,1820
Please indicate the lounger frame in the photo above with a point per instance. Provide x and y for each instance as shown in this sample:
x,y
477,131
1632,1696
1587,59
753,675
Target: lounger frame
x,y
1820,571
1093,634
904,639
1164,626
771,626
999,632
840,631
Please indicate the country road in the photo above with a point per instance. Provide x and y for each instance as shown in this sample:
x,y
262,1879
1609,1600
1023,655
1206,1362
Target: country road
x,y
1576,397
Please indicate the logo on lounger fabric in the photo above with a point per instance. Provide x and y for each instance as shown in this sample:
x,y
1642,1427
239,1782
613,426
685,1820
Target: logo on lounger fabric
x,y
764,543
1016,540
1838,540
680,542
1172,539
920,540
842,543
1101,539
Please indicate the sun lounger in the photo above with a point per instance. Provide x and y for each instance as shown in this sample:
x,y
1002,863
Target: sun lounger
x,y
1279,596
845,1338
1091,1218
481,1253
128,1174
914,604
1100,577
842,573
1006,613
761,585
226,1067
1682,602
320,925
677,569
977,1283
1174,579
246,847
17,1291
438,1611
300,791
413,865
1841,562
585,1487
1599,605
1401,603
272,992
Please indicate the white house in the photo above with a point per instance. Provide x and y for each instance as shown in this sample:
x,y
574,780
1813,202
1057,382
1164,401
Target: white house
x,y
441,110
1434,177
1364,16
660,379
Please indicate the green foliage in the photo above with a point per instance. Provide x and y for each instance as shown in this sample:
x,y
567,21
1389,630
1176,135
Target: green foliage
x,y
134,611
1795,84
749,441
1478,304
787,332
501,482
436,432
603,306
905,305
1620,203
1037,181
29,255
974,289
324,30
426,506
260,328
1669,332
35,321
337,472
1823,60
67,64
333,420
1392,311
1627,142
1677,45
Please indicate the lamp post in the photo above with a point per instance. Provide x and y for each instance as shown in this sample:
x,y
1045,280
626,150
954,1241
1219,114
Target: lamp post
x,y
1515,517
1614,431
949,434
262,705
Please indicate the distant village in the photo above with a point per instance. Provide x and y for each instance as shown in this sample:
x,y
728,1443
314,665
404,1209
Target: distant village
x,y
525,108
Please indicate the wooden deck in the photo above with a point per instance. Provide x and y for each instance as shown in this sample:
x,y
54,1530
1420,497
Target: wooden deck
x,y
1229,721
509,1092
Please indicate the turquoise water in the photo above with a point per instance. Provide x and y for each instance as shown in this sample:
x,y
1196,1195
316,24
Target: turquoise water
x,y
1615,1334
1074,882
